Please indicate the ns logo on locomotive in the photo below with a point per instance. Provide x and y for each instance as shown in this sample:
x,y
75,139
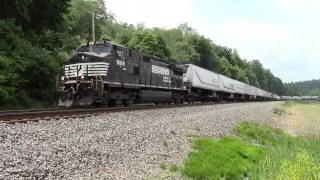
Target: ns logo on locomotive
x,y
107,73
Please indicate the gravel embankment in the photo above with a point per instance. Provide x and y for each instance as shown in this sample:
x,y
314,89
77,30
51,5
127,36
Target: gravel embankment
x,y
125,145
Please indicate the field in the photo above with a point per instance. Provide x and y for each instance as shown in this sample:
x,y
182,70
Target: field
x,y
260,151
303,118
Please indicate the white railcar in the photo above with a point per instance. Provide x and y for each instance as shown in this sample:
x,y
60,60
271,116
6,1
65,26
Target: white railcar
x,y
226,84
239,87
247,89
201,78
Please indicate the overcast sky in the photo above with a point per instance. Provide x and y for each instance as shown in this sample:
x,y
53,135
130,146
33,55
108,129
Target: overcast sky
x,y
283,34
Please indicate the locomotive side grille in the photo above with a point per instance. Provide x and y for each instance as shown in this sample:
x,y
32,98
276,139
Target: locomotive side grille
x,y
90,69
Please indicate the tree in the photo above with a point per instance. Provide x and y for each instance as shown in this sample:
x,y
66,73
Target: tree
x,y
203,47
37,36
150,44
36,14
79,20
224,67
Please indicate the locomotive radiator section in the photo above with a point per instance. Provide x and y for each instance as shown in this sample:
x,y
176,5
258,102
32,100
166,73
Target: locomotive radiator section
x,y
82,84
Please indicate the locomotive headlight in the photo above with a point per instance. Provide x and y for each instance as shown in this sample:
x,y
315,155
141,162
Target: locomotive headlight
x,y
62,78
82,77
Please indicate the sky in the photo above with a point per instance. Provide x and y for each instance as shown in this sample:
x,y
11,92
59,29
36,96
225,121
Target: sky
x,y
283,34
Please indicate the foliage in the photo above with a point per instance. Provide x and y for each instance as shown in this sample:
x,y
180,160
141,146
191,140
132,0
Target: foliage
x,y
262,152
284,157
18,82
230,158
262,134
151,44
307,88
289,158
301,167
37,36
35,15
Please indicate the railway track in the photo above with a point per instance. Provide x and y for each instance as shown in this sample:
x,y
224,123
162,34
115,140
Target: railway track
x,y
35,115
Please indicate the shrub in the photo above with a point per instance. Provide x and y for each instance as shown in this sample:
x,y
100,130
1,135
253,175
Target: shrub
x,y
262,134
228,157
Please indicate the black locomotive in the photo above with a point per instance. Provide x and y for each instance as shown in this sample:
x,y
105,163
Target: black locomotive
x,y
107,73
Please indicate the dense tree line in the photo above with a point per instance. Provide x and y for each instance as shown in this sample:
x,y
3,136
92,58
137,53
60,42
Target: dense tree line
x,y
37,36
185,45
303,88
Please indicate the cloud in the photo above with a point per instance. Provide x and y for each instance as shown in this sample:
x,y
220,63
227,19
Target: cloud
x,y
284,37
295,6
254,39
154,13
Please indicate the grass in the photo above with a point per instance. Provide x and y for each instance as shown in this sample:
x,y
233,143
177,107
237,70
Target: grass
x,y
257,152
296,160
170,167
312,111
174,168
304,118
301,167
261,134
228,157
163,165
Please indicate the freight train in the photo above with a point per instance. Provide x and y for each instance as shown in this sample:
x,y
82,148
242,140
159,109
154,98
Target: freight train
x,y
106,73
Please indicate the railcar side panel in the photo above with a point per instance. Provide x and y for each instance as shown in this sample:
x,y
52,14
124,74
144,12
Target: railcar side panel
x,y
226,84
202,78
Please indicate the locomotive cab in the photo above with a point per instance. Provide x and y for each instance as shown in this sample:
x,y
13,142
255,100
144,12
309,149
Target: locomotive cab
x,y
81,78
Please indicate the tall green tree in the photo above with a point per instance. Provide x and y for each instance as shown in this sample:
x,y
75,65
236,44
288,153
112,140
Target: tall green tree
x,y
36,14
208,58
150,44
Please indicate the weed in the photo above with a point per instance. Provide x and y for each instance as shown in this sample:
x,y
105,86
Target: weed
x,y
301,167
173,168
192,135
278,111
163,165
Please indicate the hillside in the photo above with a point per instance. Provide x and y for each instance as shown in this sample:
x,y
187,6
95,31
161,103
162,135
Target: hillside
x,y
34,45
311,87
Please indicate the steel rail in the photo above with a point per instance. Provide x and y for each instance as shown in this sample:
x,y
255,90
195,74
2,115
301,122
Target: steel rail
x,y
23,116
